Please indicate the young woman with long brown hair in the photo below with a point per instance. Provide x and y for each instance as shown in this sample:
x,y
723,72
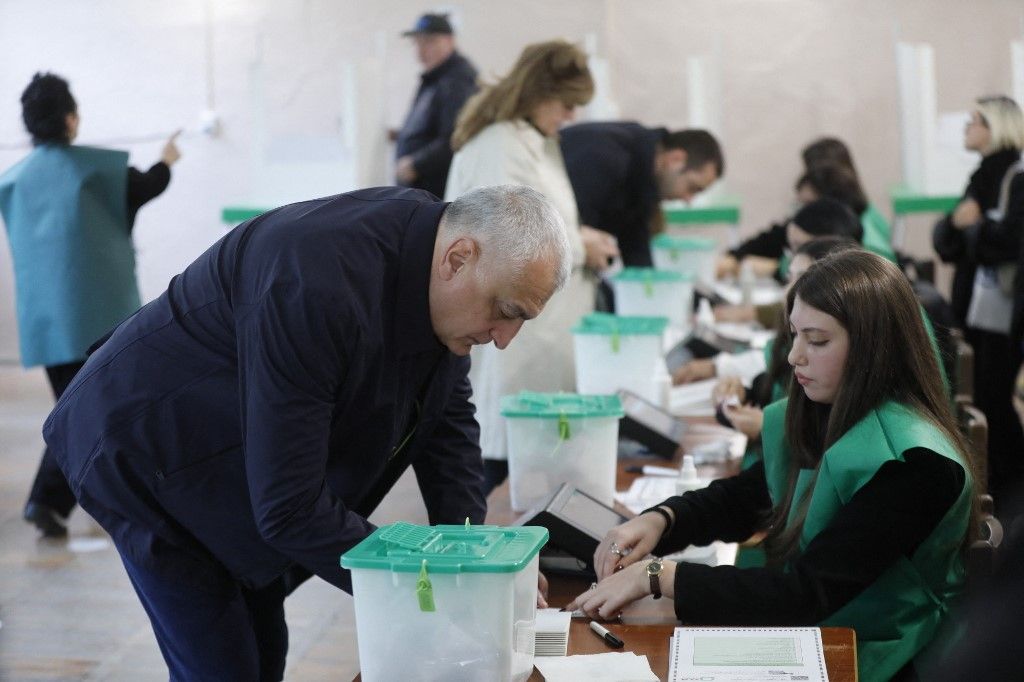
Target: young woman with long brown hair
x,y
865,490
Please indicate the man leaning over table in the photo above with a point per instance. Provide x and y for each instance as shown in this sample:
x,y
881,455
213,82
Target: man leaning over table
x,y
239,429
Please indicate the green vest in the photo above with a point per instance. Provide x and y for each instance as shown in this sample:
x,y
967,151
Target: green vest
x,y
897,616
877,233
66,211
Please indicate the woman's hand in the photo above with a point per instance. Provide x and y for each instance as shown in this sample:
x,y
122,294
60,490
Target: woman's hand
x,y
735,313
761,266
601,247
405,170
171,153
727,266
694,370
542,591
729,387
746,419
967,213
628,543
609,597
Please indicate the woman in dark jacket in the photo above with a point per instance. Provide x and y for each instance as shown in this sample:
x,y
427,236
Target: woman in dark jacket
x,y
982,237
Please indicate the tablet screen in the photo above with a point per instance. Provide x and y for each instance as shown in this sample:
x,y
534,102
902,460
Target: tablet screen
x,y
650,416
590,515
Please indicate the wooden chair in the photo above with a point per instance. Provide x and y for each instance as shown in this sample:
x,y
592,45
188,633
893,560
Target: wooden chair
x,y
982,554
974,426
964,368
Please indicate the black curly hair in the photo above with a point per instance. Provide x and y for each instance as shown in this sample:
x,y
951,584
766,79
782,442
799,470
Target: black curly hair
x,y
45,104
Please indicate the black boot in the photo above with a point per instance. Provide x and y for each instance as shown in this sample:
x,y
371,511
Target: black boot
x,y
48,521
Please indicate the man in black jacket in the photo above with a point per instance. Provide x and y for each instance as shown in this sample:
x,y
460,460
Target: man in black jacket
x,y
234,434
424,152
620,171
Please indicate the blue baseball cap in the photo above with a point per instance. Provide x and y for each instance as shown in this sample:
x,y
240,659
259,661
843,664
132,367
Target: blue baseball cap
x,y
430,23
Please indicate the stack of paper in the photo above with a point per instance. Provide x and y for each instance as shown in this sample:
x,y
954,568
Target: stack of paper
x,y
552,632
647,491
610,667
764,292
693,399
742,654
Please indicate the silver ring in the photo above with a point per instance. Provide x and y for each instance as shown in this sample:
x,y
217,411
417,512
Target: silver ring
x,y
592,586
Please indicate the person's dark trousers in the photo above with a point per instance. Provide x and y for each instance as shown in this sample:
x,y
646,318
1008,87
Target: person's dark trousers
x,y
217,634
996,363
50,488
495,473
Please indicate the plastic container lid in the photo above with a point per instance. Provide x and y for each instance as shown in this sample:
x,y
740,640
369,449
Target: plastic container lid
x,y
559,405
669,242
403,547
645,275
616,325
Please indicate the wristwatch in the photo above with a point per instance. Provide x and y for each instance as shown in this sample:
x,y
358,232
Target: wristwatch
x,y
653,572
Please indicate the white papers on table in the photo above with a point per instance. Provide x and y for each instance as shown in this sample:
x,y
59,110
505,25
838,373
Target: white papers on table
x,y
719,443
610,667
552,632
647,491
747,655
764,292
692,400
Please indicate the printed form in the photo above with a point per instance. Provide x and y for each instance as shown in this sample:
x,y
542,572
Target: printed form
x,y
747,655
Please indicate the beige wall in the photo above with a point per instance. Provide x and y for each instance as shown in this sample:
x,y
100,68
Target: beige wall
x,y
796,69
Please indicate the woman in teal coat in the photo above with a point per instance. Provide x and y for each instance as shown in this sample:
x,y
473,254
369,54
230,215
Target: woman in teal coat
x,y
865,489
69,212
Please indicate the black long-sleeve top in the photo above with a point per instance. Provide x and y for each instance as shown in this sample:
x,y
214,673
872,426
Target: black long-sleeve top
x,y
769,243
144,186
611,168
427,131
887,518
990,242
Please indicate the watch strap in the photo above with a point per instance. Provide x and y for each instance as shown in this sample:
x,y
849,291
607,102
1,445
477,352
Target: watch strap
x,y
655,578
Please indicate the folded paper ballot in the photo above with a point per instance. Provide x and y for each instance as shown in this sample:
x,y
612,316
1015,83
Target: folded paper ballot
x,y
552,632
610,667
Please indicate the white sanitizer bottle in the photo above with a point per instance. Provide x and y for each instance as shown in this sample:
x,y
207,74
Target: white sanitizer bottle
x,y
687,476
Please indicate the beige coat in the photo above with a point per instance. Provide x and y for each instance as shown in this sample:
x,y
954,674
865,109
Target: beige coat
x,y
540,358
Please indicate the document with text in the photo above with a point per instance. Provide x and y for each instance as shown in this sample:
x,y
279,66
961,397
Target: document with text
x,y
747,655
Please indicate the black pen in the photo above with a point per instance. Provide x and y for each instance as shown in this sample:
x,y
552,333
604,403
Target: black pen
x,y
613,641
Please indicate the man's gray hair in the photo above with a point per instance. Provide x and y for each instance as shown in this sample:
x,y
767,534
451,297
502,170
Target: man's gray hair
x,y
516,223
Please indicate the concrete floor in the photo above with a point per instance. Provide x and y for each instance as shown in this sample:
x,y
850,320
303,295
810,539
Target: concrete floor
x,y
67,610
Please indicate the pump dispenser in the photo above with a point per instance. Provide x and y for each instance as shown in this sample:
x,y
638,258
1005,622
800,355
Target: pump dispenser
x,y
687,476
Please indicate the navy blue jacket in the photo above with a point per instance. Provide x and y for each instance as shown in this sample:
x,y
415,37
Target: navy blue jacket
x,y
611,167
253,415
427,132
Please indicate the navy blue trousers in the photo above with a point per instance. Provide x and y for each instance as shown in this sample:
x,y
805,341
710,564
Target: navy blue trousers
x,y
216,634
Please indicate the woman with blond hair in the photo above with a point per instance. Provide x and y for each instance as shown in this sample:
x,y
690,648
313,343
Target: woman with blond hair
x,y
508,133
983,237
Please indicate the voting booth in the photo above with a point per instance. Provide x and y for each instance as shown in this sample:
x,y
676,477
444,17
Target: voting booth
x,y
616,352
452,603
687,255
648,292
554,438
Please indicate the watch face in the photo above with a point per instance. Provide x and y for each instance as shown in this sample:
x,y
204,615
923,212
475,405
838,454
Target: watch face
x,y
654,568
